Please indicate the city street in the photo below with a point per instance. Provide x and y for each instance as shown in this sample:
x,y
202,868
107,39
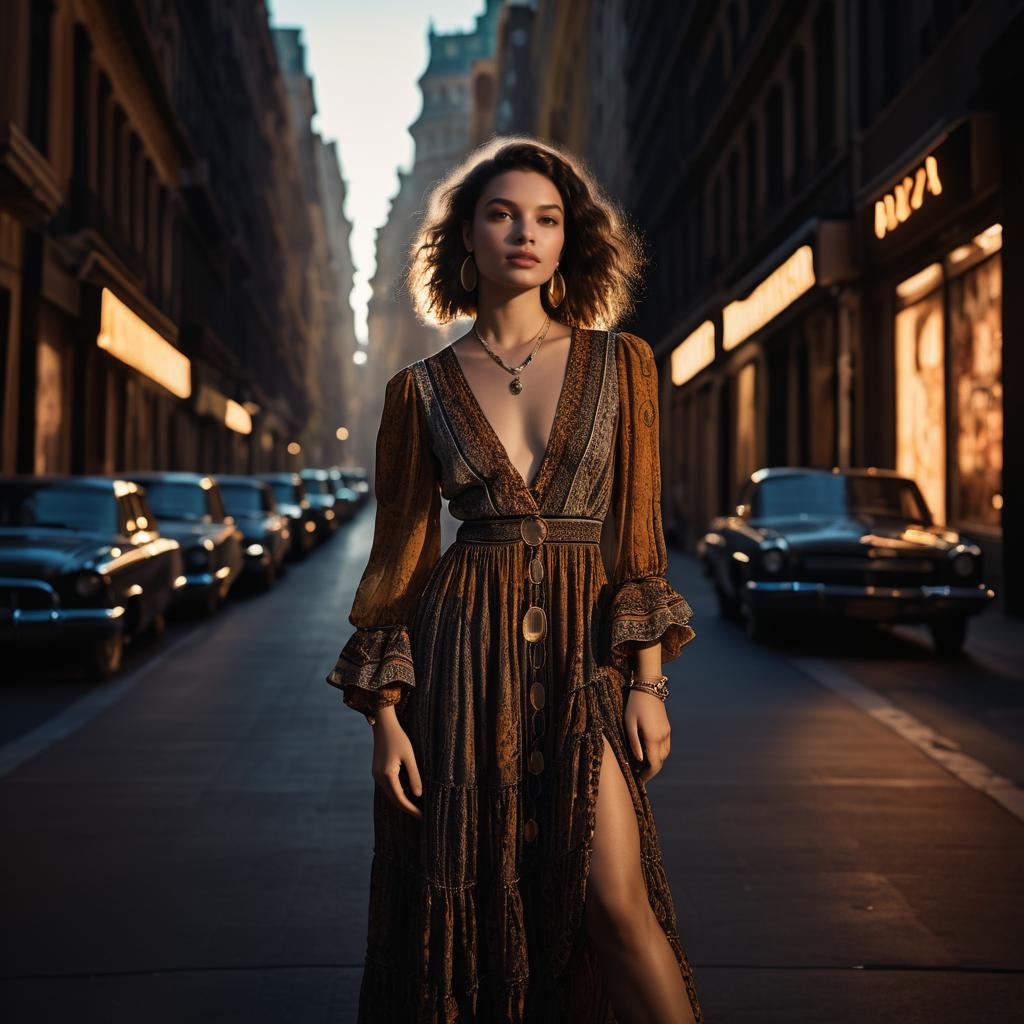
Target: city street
x,y
840,815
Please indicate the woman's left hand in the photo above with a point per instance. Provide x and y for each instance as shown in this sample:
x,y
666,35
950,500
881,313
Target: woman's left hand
x,y
647,730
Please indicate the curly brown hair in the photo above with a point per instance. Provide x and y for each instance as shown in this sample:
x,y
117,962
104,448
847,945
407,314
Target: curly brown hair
x,y
602,259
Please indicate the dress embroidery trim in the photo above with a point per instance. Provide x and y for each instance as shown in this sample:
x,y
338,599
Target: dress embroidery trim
x,y
646,610
370,664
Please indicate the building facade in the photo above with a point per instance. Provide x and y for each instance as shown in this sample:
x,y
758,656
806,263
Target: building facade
x,y
828,191
153,266
460,90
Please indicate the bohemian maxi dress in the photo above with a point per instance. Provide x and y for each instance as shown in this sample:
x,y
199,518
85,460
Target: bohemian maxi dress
x,y
507,658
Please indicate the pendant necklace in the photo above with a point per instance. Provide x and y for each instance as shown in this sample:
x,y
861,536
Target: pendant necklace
x,y
515,385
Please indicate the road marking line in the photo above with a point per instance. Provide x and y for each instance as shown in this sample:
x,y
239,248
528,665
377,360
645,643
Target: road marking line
x,y
82,711
943,751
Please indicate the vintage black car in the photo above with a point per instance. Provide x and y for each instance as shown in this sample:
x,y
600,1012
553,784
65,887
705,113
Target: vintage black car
x,y
292,501
322,501
346,500
190,509
84,566
266,530
354,478
856,543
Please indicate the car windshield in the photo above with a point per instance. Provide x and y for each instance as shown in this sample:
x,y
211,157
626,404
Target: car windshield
x,y
240,498
176,500
286,492
813,495
56,505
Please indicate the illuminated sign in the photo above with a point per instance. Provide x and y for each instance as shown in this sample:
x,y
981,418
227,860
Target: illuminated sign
x,y
693,353
782,287
237,417
126,336
896,206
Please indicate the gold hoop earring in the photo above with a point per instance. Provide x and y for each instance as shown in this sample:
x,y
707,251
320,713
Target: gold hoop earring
x,y
556,291
469,286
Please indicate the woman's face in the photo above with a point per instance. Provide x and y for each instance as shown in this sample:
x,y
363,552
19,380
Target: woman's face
x,y
517,211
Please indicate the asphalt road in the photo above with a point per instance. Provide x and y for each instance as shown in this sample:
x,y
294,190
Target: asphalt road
x,y
191,842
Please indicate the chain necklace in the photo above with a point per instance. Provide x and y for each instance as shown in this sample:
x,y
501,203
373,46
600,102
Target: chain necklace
x,y
515,385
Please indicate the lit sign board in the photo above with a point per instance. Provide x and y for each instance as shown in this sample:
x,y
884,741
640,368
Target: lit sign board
x,y
781,288
896,206
693,353
126,336
237,417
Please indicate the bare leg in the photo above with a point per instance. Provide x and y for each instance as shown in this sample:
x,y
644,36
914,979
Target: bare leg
x,y
644,980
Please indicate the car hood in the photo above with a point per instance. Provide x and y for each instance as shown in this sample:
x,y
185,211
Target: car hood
x,y
46,554
854,533
255,525
189,534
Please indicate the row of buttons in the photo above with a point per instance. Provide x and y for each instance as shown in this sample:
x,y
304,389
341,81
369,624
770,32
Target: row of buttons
x,y
534,531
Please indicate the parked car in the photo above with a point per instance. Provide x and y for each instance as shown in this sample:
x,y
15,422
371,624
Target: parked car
x,y
84,565
189,508
346,500
290,492
857,543
266,530
355,479
320,491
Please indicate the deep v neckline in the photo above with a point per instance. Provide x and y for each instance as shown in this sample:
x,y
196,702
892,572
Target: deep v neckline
x,y
492,434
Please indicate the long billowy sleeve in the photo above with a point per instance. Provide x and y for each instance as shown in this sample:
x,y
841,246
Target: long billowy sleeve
x,y
645,608
375,667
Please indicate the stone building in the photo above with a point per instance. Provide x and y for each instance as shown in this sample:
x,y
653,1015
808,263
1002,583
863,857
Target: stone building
x,y
154,239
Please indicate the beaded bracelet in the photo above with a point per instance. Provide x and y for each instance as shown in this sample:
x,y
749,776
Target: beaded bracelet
x,y
656,687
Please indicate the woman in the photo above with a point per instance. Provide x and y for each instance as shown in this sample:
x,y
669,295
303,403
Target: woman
x,y
514,683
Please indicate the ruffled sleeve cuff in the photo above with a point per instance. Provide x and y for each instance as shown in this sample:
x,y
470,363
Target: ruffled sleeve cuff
x,y
372,668
647,610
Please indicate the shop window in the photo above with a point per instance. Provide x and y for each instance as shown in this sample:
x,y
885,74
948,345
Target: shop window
x,y
52,396
824,80
746,423
976,397
773,140
920,399
798,114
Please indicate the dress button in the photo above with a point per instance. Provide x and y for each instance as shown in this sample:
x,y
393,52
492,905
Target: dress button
x,y
537,696
535,623
530,830
536,762
533,530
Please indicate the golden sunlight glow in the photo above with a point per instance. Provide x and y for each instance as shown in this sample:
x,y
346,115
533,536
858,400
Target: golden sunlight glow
x,y
782,287
693,353
126,336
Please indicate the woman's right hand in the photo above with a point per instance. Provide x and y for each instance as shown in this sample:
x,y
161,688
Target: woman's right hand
x,y
392,748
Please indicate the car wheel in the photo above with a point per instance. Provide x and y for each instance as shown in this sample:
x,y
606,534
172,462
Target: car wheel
x,y
210,604
155,631
949,634
760,625
728,607
102,658
269,577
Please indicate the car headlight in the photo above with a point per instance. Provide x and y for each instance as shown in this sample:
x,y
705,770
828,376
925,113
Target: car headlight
x,y
198,558
964,564
772,560
88,584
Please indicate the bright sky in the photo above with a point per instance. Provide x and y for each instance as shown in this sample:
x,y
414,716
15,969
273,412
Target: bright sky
x,y
364,58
